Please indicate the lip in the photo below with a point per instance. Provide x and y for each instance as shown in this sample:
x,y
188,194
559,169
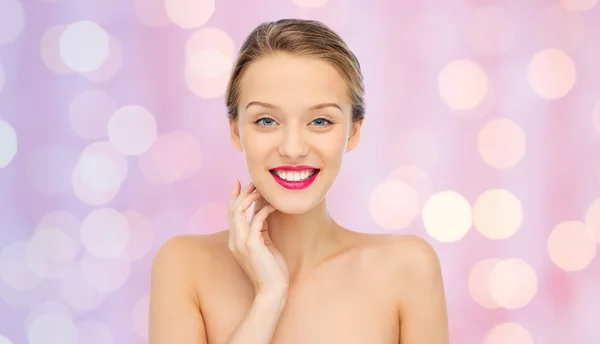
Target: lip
x,y
294,168
295,185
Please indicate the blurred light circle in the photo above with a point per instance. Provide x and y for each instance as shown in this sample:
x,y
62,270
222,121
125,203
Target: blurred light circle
x,y
502,143
415,147
50,50
106,274
94,332
96,179
132,130
141,235
551,73
393,204
497,214
89,113
579,5
50,253
49,168
513,283
84,46
210,63
173,156
211,39
47,307
8,143
111,65
560,28
77,293
190,13
152,12
64,221
479,286
105,149
415,178
462,84
52,328
208,215
14,270
12,21
310,3
4,340
447,216
491,31
105,233
570,246
139,316
508,333
592,220
205,87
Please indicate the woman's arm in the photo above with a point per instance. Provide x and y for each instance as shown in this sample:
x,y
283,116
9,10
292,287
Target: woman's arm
x,y
422,307
174,307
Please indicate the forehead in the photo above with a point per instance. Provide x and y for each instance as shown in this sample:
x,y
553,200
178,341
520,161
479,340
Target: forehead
x,y
293,81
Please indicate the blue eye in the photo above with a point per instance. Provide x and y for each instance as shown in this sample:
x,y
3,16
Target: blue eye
x,y
322,122
266,122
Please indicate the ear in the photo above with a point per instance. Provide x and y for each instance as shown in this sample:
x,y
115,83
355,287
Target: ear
x,y
234,135
354,135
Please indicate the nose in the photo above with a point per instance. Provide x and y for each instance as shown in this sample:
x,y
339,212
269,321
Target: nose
x,y
293,144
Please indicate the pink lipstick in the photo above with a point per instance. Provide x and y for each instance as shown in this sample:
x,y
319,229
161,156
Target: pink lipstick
x,y
286,177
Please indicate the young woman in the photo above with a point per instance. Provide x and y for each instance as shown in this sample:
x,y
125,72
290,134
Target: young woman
x,y
292,274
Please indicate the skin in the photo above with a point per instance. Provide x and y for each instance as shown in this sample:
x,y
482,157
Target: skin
x,y
344,286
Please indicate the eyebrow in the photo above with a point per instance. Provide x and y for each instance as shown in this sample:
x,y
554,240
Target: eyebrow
x,y
314,107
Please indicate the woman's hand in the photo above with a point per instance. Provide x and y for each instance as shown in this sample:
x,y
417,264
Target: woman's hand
x,y
251,244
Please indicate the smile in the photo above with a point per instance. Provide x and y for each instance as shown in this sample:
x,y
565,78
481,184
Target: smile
x,y
296,178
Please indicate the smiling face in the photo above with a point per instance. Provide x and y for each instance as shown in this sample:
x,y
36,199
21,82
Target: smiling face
x,y
293,111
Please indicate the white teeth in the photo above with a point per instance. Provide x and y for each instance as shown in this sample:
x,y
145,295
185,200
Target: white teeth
x,y
294,176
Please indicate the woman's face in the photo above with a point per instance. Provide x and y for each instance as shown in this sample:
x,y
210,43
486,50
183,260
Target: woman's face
x,y
290,132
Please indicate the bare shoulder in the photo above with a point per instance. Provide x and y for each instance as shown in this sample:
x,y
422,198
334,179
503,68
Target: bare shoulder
x,y
185,252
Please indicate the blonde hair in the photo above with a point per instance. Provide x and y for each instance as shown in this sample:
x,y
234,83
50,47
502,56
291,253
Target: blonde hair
x,y
298,37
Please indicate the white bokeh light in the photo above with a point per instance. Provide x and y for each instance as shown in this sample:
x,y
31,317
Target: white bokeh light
x,y
49,167
52,328
8,143
64,221
14,270
96,179
50,253
111,65
89,113
105,233
393,204
12,21
447,216
551,73
84,46
190,13
77,293
462,84
50,50
132,130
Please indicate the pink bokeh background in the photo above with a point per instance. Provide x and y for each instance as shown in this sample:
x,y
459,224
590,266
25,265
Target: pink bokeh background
x,y
482,135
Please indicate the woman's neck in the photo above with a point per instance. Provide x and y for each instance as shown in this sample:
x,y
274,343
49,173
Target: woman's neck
x,y
305,240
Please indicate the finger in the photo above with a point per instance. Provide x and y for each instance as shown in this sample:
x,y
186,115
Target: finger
x,y
234,192
256,225
244,204
245,192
